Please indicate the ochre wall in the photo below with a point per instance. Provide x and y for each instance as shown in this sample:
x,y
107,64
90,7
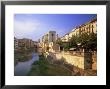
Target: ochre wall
x,y
74,60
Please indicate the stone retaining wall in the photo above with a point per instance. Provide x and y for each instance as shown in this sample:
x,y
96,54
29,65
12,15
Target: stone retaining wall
x,y
74,60
78,61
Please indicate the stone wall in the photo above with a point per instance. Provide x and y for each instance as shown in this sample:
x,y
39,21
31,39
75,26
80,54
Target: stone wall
x,y
84,62
74,60
94,64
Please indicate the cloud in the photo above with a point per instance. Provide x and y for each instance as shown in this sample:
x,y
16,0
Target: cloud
x,y
25,28
30,26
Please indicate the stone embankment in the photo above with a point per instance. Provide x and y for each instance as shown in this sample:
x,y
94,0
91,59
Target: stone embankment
x,y
76,60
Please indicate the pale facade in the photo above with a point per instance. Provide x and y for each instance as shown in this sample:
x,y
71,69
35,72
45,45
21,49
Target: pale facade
x,y
90,27
49,37
15,43
66,37
48,40
54,47
63,38
72,33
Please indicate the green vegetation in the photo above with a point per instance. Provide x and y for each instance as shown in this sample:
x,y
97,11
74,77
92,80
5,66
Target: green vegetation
x,y
22,55
59,41
44,68
73,41
87,41
64,45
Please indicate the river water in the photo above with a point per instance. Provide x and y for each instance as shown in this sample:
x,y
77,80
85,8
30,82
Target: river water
x,y
22,68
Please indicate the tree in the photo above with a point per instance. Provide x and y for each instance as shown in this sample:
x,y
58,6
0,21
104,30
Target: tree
x,y
73,41
92,43
88,41
83,39
64,45
59,41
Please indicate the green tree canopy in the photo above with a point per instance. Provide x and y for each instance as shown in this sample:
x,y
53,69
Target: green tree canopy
x,y
87,41
59,41
73,41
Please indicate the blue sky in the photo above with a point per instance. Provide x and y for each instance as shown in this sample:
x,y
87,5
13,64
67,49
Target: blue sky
x,y
34,26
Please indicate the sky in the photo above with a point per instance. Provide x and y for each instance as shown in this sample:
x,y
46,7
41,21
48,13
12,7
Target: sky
x,y
34,26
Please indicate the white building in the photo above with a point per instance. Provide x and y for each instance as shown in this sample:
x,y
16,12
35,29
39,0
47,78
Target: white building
x,y
49,37
15,43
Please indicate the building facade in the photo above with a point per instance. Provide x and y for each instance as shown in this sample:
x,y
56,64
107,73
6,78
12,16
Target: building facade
x,y
89,27
49,37
15,43
52,36
48,40
26,43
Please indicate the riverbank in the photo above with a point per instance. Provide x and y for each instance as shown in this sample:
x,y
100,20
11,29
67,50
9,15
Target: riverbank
x,y
22,56
22,68
44,68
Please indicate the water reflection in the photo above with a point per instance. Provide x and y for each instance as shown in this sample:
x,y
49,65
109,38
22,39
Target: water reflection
x,y
22,68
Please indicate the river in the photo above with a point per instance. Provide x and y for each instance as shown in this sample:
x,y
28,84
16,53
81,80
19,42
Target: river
x,y
22,68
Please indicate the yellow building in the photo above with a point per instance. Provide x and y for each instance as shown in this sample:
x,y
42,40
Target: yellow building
x,y
72,33
65,38
89,27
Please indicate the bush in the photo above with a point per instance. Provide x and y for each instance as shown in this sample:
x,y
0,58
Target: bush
x,y
22,56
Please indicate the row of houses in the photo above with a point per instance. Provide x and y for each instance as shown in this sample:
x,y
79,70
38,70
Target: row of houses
x,y
48,40
89,27
26,43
